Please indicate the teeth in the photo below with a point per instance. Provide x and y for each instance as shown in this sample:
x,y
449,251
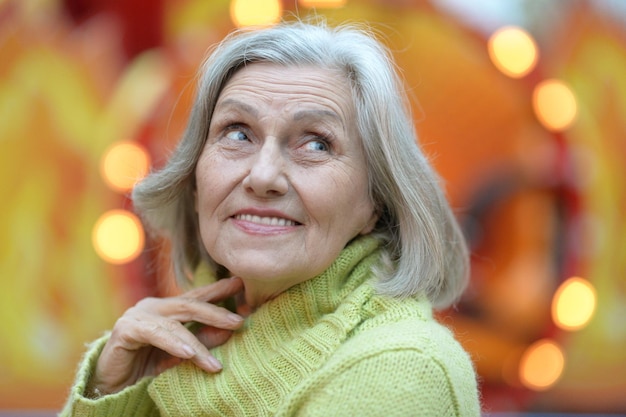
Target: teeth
x,y
269,221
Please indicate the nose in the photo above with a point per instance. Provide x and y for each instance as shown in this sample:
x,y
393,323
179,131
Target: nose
x,y
266,177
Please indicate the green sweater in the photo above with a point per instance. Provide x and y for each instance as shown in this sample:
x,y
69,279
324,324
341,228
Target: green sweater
x,y
329,346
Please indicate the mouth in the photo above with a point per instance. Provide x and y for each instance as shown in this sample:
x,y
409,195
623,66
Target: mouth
x,y
266,221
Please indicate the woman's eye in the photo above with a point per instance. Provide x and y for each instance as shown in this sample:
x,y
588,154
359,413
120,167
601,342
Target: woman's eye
x,y
318,145
236,134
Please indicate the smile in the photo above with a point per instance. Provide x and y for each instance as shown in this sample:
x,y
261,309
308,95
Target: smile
x,y
267,221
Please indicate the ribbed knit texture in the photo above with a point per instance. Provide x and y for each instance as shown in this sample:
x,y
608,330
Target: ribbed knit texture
x,y
328,346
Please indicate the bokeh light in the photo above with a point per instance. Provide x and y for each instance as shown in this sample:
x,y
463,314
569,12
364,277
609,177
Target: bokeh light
x,y
322,3
554,104
573,304
123,164
513,51
541,365
255,12
118,236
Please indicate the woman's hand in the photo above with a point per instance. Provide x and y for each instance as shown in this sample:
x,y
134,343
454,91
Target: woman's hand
x,y
150,337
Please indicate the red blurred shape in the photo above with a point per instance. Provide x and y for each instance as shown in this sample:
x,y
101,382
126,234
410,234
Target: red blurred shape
x,y
140,22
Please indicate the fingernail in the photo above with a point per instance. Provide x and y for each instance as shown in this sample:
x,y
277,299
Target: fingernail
x,y
235,318
214,363
189,351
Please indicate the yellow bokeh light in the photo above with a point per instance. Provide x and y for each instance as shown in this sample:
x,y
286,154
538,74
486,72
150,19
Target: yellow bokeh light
x,y
541,365
255,12
123,164
513,51
573,304
554,104
322,3
118,236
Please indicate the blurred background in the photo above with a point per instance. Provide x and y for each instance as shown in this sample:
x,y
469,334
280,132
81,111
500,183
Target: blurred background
x,y
520,104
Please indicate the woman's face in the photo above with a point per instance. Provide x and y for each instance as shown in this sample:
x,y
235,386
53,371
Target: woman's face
x,y
282,181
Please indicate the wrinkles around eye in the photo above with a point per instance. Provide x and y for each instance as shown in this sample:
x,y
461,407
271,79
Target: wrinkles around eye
x,y
236,133
318,145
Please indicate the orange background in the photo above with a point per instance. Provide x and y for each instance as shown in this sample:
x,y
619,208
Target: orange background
x,y
538,206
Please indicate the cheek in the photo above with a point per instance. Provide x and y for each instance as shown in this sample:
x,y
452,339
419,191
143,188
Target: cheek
x,y
208,186
211,172
217,179
360,207
207,201
345,207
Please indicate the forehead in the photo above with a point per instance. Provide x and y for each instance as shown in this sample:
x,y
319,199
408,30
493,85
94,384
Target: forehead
x,y
306,84
273,71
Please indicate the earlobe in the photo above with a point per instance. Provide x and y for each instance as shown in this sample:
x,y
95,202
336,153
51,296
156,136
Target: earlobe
x,y
371,223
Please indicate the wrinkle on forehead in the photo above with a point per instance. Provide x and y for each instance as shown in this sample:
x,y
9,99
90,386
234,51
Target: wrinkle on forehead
x,y
318,93
299,115
229,102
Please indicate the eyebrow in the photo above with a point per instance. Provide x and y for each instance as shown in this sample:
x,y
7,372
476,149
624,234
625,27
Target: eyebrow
x,y
299,115
229,102
316,114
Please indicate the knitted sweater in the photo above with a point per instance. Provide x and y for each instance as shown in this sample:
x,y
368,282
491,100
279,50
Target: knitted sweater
x,y
329,346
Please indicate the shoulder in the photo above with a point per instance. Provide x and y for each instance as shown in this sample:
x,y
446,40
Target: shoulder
x,y
406,324
414,359
409,366
416,335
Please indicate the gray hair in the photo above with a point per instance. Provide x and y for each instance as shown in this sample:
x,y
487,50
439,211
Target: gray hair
x,y
424,248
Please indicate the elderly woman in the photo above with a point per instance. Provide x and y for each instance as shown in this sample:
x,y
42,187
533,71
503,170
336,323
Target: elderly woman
x,y
297,196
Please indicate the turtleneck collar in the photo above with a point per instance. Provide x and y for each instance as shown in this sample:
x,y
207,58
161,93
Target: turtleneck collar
x,y
282,342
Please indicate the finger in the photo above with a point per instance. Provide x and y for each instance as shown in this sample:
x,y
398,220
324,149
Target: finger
x,y
172,337
243,309
165,364
185,309
217,291
211,336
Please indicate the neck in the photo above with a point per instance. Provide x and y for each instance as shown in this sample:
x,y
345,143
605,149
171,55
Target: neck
x,y
258,292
